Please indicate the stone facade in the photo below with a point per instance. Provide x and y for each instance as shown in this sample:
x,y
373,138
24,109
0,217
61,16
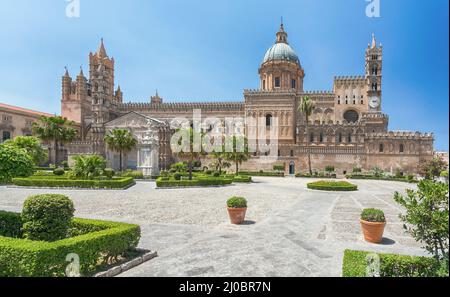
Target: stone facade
x,y
347,129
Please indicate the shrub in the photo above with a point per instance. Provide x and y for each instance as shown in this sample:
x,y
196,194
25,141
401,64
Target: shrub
x,y
59,171
177,176
197,164
93,242
444,174
373,215
179,167
47,217
357,170
278,167
47,182
32,146
332,186
10,224
377,172
209,172
355,264
329,169
164,173
237,202
432,168
135,174
216,174
398,173
427,216
64,164
14,162
109,173
89,166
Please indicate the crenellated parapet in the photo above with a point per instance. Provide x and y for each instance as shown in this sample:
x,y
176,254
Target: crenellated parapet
x,y
212,106
401,135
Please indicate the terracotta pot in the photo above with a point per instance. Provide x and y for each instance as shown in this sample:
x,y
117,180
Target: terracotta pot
x,y
237,215
373,232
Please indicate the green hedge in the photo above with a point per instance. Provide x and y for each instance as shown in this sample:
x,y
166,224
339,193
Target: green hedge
x,y
198,182
373,177
10,224
332,186
391,265
99,240
307,175
242,179
271,173
62,182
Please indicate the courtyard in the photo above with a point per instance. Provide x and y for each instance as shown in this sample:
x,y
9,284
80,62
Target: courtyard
x,y
290,230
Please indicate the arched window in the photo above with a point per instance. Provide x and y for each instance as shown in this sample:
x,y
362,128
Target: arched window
x,y
340,138
375,70
292,153
351,116
402,148
293,84
96,87
268,120
381,148
374,87
321,137
349,138
311,137
264,84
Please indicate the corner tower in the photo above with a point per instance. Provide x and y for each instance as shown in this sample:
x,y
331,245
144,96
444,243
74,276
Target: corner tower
x,y
281,68
374,67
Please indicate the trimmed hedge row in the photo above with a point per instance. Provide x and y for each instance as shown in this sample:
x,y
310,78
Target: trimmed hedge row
x,y
332,186
99,240
242,179
56,182
372,177
270,174
391,265
199,182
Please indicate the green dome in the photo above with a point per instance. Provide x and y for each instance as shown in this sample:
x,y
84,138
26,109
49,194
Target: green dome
x,y
281,51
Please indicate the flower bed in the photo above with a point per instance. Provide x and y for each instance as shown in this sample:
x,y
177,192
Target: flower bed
x,y
163,182
391,265
93,241
332,186
269,174
64,182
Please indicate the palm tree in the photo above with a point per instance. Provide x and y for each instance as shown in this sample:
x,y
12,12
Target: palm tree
x,y
237,156
307,107
57,130
122,142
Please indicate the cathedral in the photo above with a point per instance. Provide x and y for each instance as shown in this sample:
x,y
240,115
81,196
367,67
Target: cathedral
x,y
347,129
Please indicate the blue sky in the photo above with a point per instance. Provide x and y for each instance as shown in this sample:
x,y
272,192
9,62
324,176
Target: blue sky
x,y
198,50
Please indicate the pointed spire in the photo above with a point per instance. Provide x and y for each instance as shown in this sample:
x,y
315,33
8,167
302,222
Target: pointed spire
x,y
66,74
81,72
118,88
101,52
374,41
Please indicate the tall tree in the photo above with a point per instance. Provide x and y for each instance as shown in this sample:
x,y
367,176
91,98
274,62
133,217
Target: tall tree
x,y
307,107
238,155
57,130
122,142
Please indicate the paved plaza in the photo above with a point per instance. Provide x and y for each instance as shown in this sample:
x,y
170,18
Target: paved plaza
x,y
290,230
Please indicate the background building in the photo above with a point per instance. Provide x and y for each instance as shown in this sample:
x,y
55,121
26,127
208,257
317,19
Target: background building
x,y
347,129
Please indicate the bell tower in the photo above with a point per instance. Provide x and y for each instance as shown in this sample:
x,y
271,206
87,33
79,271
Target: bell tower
x,y
101,73
374,67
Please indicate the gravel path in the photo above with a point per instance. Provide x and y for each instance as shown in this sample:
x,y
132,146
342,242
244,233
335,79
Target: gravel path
x,y
290,230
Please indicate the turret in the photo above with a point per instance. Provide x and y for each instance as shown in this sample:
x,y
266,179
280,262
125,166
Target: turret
x,y
66,86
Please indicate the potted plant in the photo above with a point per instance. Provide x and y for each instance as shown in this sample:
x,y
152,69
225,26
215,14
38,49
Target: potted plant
x,y
373,223
237,208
